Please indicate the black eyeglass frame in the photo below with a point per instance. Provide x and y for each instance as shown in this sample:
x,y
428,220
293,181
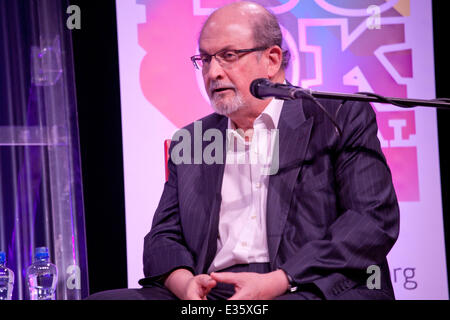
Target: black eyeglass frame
x,y
198,57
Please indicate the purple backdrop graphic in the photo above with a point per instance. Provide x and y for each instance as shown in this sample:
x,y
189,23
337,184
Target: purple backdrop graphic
x,y
381,46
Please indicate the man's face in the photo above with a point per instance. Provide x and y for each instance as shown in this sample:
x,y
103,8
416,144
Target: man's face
x,y
228,85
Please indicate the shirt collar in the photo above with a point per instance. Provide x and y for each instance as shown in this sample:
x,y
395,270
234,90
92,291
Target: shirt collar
x,y
270,116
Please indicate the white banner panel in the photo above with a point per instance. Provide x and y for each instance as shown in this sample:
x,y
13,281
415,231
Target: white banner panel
x,y
383,46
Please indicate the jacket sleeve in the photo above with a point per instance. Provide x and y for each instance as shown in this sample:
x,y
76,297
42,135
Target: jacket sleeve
x,y
164,248
368,225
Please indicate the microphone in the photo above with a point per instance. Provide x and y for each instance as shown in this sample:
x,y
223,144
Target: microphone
x,y
263,88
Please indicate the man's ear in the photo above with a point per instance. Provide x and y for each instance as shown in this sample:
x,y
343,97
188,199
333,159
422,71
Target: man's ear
x,y
275,58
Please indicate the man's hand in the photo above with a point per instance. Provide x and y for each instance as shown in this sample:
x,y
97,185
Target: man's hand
x,y
254,286
198,287
186,286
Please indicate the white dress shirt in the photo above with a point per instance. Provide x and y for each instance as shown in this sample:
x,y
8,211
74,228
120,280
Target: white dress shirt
x,y
242,235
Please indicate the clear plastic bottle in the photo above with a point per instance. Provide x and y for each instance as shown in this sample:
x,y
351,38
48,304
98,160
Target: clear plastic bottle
x,y
42,276
6,279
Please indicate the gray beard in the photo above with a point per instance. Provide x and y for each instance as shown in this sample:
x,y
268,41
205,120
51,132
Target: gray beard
x,y
226,109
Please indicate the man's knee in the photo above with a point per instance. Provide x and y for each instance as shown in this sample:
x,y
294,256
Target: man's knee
x,y
148,293
117,294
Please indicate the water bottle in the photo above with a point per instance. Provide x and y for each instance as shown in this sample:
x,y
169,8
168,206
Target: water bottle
x,y
42,276
6,279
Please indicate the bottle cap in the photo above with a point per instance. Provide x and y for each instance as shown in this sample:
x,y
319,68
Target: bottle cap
x,y
2,257
41,253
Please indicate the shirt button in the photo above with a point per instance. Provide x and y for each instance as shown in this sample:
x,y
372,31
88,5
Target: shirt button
x,y
253,217
258,185
244,244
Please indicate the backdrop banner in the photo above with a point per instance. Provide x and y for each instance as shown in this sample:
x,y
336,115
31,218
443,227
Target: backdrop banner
x,y
381,46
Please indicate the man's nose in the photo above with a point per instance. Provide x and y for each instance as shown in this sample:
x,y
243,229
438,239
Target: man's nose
x,y
215,70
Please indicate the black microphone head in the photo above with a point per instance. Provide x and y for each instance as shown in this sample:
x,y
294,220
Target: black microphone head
x,y
255,85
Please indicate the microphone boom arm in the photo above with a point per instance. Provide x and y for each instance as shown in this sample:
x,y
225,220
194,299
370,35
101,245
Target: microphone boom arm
x,y
290,92
263,88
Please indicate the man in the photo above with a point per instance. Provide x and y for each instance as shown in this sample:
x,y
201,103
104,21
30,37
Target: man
x,y
311,229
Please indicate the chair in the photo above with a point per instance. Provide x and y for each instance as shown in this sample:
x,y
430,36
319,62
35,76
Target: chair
x,y
166,156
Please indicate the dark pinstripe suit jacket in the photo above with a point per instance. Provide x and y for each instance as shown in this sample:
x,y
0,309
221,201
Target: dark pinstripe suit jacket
x,y
331,208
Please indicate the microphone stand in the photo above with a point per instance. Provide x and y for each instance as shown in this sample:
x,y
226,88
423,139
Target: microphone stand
x,y
263,88
372,97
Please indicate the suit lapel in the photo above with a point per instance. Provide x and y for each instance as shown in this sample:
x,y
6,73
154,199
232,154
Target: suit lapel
x,y
294,135
213,177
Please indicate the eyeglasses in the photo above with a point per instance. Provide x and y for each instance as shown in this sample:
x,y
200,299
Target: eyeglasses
x,y
224,57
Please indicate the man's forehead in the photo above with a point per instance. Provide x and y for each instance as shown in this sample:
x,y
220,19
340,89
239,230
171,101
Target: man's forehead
x,y
221,35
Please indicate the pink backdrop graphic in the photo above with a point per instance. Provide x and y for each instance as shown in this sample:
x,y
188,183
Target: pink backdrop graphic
x,y
322,40
336,45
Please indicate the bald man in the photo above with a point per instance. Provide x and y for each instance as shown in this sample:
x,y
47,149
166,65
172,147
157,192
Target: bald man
x,y
308,230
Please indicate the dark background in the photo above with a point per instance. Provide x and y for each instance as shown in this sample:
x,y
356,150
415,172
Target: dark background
x,y
98,94
98,98
442,72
